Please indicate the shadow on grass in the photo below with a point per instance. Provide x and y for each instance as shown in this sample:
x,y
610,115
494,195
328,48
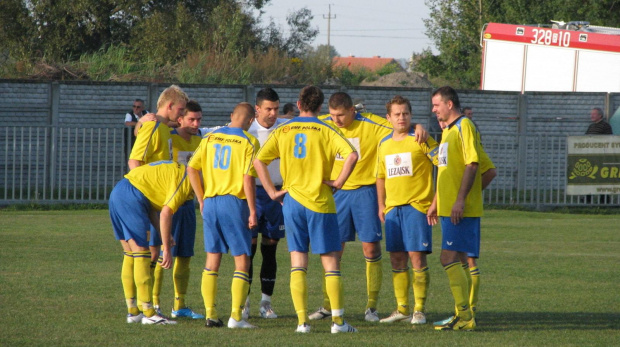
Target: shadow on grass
x,y
509,321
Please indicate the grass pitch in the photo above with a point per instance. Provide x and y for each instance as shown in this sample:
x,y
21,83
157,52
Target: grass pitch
x,y
547,279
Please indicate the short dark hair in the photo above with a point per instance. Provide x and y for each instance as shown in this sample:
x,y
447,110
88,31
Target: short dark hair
x,y
397,100
193,106
266,94
288,108
448,94
340,99
139,100
311,99
599,110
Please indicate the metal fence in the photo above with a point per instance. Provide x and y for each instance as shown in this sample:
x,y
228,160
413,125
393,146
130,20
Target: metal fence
x,y
44,164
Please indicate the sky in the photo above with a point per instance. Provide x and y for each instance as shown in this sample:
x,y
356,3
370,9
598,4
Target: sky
x,y
363,28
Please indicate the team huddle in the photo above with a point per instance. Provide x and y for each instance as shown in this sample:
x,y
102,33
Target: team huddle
x,y
318,179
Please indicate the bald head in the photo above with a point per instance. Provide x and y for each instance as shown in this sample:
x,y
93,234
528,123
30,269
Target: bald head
x,y
242,116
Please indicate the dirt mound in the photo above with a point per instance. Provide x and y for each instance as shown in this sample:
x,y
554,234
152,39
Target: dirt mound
x,y
400,79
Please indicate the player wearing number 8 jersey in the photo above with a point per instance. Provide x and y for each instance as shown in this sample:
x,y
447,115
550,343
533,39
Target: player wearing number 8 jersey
x,y
229,208
307,148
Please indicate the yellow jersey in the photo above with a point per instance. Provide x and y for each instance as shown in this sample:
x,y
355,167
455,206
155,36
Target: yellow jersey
x,y
225,155
182,149
407,168
307,149
460,146
153,143
364,133
164,183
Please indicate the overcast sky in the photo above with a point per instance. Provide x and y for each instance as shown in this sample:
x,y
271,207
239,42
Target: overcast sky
x,y
363,28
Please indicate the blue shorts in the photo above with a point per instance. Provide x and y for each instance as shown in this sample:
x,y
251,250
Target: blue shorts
x,y
269,215
463,237
304,227
407,230
184,230
129,212
225,225
358,211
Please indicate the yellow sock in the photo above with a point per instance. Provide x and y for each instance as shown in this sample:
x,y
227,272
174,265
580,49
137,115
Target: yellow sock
x,y
421,280
475,287
129,286
467,274
158,278
142,277
326,303
180,276
401,279
333,285
299,293
239,292
209,290
460,291
152,267
374,275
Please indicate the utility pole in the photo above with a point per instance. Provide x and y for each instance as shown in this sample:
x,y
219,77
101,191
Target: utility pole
x,y
329,20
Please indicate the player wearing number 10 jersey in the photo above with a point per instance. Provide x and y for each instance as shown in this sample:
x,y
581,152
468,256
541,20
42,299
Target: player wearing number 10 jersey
x,y
307,148
229,208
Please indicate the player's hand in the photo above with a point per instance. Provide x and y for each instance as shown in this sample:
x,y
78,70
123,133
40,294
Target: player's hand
x,y
147,118
456,215
421,135
381,215
279,196
201,205
333,184
431,215
166,262
252,221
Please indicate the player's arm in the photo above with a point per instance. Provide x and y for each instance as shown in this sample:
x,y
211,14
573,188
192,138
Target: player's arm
x,y
195,181
487,177
265,180
431,214
165,226
347,168
134,163
249,187
421,135
469,175
381,198
149,117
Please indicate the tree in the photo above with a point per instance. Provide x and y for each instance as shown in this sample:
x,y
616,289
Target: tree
x,y
301,33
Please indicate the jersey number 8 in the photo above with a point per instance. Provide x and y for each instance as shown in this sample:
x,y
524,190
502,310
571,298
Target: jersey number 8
x,y
300,146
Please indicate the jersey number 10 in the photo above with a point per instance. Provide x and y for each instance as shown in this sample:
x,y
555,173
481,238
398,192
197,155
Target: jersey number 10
x,y
222,157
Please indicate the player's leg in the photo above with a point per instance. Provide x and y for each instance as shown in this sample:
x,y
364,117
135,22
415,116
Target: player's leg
x,y
457,239
474,289
421,280
233,214
184,235
268,271
418,240
214,247
364,210
208,287
400,278
128,210
298,245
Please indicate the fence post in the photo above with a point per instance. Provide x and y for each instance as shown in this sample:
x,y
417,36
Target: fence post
x,y
249,93
522,130
53,140
153,96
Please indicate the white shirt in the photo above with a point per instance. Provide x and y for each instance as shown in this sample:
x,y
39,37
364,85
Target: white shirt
x,y
262,133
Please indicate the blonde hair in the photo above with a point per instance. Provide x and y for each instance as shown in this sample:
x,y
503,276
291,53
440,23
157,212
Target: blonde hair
x,y
172,94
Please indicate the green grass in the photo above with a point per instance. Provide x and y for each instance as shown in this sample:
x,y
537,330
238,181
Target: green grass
x,y
547,279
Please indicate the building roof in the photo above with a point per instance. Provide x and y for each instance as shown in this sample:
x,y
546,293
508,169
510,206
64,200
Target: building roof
x,y
372,64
